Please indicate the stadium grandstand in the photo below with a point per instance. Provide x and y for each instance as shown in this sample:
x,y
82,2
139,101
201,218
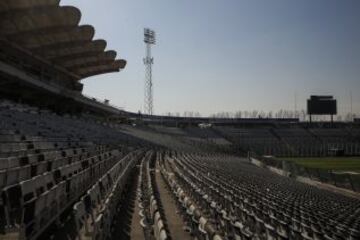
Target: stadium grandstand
x,y
73,167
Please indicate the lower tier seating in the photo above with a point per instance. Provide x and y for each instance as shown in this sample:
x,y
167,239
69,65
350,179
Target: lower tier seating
x,y
151,213
95,211
242,201
30,206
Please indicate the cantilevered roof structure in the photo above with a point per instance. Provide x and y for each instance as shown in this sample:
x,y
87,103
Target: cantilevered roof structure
x,y
52,32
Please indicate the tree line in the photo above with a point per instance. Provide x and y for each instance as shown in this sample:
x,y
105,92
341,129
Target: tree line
x,y
282,113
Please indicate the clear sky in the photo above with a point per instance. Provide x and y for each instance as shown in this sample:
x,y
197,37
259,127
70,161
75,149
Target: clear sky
x,y
229,55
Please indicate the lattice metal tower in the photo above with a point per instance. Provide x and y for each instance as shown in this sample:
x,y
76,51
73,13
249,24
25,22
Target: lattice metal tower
x,y
149,39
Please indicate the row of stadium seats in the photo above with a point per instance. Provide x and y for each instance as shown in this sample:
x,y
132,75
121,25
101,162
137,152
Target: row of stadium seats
x,y
197,132
32,125
34,203
20,168
245,202
199,224
95,211
151,213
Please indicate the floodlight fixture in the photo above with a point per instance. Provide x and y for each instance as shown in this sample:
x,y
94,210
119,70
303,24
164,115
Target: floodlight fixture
x,y
149,36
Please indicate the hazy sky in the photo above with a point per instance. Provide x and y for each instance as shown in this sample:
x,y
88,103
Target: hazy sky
x,y
229,55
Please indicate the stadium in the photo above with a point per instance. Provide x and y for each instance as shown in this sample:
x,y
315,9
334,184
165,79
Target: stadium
x,y
74,167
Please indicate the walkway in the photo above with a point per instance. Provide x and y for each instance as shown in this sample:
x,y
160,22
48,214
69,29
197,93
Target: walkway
x,y
173,219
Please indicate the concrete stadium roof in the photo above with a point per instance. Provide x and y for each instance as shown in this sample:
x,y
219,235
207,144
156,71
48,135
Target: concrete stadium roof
x,y
52,32
7,5
59,39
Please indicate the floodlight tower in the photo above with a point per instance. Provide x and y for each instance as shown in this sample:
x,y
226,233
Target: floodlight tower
x,y
149,39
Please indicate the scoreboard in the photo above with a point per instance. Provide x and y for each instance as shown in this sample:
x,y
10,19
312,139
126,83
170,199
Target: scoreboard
x,y
321,105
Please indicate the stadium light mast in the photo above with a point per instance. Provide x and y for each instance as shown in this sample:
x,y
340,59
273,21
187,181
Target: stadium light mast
x,y
149,39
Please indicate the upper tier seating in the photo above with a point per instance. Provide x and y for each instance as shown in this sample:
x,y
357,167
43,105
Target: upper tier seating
x,y
293,141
